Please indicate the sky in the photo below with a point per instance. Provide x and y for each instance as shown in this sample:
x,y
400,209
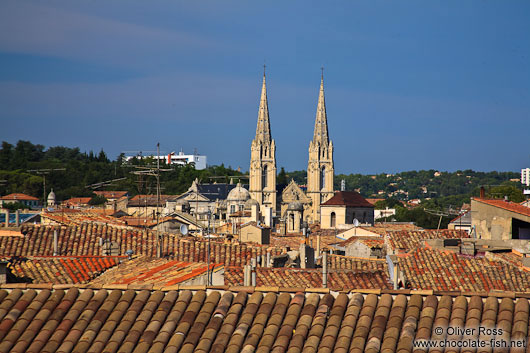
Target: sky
x,y
409,85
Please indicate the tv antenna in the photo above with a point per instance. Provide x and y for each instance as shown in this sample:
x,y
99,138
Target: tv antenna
x,y
44,172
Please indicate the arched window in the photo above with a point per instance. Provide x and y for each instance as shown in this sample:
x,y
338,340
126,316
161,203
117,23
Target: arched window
x,y
323,178
264,177
291,216
333,219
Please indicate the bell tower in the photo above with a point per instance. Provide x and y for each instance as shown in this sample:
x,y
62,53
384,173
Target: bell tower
x,y
320,169
263,157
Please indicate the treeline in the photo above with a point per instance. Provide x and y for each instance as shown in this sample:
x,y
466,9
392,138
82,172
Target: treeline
x,y
24,166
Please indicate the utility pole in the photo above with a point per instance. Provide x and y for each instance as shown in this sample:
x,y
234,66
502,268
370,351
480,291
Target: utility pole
x,y
44,172
208,281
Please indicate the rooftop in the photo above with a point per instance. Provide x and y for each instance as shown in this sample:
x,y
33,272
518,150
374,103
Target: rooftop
x,y
506,205
349,199
18,196
405,241
264,319
444,270
146,270
311,278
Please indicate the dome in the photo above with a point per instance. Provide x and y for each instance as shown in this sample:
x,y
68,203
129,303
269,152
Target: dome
x,y
51,196
295,206
251,202
238,193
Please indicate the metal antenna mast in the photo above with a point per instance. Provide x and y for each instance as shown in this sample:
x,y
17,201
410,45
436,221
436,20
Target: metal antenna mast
x,y
44,172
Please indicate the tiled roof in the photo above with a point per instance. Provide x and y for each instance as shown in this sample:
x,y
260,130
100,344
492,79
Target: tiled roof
x,y
506,205
311,278
18,196
84,240
371,242
443,270
185,321
146,270
72,216
405,241
77,201
347,198
61,269
148,200
340,262
374,200
111,194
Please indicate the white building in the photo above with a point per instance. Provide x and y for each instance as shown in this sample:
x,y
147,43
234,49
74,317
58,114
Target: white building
x,y
177,158
525,176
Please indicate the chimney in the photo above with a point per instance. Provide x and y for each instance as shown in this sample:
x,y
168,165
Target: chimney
x,y
55,245
253,272
3,272
325,269
246,275
7,218
482,192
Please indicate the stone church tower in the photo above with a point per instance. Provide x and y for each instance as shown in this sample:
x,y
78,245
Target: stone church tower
x,y
320,166
263,158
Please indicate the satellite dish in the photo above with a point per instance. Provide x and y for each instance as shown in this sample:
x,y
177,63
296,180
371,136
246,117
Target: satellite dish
x,y
355,222
183,229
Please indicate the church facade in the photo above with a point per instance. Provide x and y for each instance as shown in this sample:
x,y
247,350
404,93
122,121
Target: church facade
x,y
293,205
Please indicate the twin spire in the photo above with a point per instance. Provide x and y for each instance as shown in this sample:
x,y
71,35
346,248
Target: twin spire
x,y
263,129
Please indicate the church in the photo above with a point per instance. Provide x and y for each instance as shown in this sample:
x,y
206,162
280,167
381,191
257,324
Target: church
x,y
292,205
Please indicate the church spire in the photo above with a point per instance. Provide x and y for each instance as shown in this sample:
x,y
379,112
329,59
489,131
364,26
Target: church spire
x,y
263,129
321,121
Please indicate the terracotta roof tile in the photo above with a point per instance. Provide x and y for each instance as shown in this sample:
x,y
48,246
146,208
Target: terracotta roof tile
x,y
506,205
18,196
405,241
60,269
348,198
444,270
147,270
155,321
310,278
83,239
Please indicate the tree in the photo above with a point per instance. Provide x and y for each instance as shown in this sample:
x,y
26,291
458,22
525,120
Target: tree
x,y
282,177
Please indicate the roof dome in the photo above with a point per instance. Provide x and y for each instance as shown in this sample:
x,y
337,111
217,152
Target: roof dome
x,y
295,206
238,193
51,196
251,202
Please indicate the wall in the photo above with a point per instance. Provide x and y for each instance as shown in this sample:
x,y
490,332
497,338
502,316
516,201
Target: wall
x,y
493,222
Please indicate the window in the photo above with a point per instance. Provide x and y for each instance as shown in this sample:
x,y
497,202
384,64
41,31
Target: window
x,y
233,209
292,221
333,219
323,178
241,207
264,177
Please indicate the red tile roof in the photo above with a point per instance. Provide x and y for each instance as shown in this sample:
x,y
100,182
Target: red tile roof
x,y
506,205
73,201
340,262
61,269
311,278
18,196
405,241
348,198
215,321
444,270
146,270
84,240
111,194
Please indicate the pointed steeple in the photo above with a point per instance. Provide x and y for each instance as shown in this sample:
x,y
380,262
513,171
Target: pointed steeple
x,y
321,121
263,129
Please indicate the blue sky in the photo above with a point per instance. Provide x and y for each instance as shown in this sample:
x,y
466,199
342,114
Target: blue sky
x,y
409,84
